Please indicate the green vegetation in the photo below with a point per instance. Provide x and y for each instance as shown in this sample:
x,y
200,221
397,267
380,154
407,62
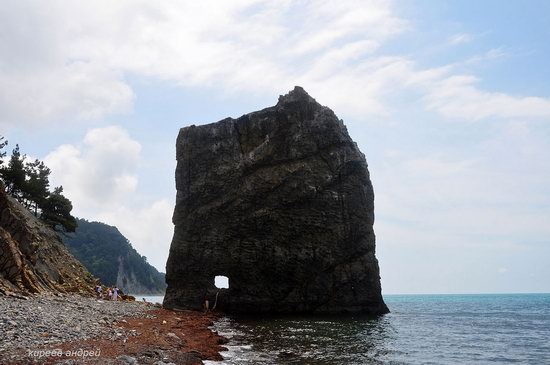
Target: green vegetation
x,y
28,182
108,255
3,143
56,211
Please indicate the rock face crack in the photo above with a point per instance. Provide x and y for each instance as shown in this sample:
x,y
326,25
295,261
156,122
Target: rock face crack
x,y
236,127
280,201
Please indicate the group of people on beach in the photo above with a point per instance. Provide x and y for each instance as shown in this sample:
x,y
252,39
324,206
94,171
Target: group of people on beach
x,y
108,294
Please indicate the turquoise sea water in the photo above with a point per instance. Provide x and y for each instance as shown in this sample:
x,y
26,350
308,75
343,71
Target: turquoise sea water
x,y
421,329
150,298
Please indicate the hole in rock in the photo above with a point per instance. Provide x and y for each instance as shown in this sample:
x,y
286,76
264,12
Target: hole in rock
x,y
221,282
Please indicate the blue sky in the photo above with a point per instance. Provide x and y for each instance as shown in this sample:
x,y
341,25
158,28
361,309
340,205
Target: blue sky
x,y
449,100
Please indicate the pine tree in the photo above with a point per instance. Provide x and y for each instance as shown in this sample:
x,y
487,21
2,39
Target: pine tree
x,y
37,184
56,211
3,143
29,183
14,174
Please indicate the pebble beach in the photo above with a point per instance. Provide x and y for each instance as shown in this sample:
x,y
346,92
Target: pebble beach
x,y
72,329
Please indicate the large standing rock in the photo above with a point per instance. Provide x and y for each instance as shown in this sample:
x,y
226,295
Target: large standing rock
x,y
280,202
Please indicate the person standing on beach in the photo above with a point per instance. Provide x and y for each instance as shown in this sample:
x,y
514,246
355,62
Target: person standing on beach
x,y
110,294
98,291
115,293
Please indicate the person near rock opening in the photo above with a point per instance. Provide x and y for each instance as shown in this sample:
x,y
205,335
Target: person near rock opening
x,y
115,293
109,294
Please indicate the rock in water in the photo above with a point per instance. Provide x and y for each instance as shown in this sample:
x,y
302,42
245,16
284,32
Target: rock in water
x,y
280,202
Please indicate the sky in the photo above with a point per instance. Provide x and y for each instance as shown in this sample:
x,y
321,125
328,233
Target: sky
x,y
449,101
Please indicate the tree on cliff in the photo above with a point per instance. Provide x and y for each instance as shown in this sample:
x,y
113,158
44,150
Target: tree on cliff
x,y
3,143
14,174
56,211
37,184
29,183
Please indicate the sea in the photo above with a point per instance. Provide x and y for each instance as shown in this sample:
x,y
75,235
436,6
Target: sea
x,y
149,298
421,329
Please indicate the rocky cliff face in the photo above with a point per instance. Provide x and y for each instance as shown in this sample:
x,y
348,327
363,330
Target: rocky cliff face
x,y
280,202
32,257
132,284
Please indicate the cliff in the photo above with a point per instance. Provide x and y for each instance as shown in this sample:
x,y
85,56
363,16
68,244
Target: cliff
x,y
279,201
108,255
32,257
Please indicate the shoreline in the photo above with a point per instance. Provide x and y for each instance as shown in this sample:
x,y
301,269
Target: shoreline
x,y
70,329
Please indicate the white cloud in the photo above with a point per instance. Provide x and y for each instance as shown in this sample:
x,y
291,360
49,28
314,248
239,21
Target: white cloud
x,y
494,194
76,54
460,38
66,60
74,91
41,79
100,177
459,97
486,57
100,172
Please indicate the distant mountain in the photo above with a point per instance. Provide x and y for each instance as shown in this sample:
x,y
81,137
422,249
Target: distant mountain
x,y
108,255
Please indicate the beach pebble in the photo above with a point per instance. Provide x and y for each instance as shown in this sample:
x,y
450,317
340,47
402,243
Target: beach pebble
x,y
45,320
127,359
174,337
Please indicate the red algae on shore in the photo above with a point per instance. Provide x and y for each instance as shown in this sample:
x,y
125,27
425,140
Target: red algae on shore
x,y
178,337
